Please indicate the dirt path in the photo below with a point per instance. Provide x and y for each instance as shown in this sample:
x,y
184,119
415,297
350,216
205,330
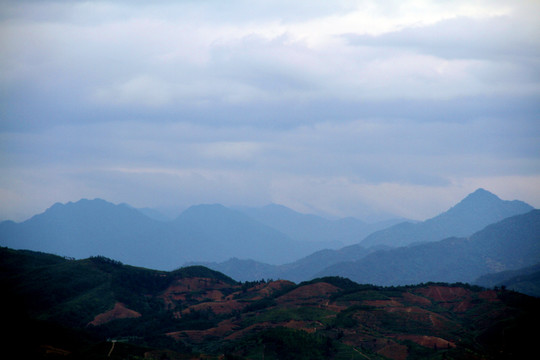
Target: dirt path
x,y
360,353
112,348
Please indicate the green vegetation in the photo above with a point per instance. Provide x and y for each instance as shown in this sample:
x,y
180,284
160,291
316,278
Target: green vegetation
x,y
283,343
203,272
50,302
279,315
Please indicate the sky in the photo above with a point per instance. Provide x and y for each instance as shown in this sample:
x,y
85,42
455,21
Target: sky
x,y
371,109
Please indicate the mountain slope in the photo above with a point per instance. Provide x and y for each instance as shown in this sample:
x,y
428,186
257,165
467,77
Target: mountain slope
x,y
472,214
525,280
302,269
312,228
90,227
509,244
216,232
98,308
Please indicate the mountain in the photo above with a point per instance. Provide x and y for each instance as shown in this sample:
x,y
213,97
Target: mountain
x,y
244,269
217,232
99,308
312,228
525,280
472,214
201,233
510,244
303,269
277,239
90,227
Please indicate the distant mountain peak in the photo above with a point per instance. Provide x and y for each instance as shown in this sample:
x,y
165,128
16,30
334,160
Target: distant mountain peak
x,y
477,210
482,199
79,203
481,194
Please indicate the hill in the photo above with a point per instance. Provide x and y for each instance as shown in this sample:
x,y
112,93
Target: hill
x,y
303,269
525,280
510,244
473,213
100,308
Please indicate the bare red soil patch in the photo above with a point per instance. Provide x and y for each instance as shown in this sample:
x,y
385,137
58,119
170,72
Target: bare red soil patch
x,y
311,291
394,351
428,341
488,295
193,288
217,307
262,290
382,303
444,293
416,299
224,328
54,351
120,311
386,347
411,312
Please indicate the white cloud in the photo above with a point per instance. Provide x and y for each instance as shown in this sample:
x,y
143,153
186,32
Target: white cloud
x,y
142,90
339,106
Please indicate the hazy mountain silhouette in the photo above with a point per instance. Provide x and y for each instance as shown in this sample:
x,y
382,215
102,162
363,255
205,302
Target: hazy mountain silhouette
x,y
94,227
201,233
510,244
300,270
154,214
525,280
475,211
214,233
313,228
224,233
472,214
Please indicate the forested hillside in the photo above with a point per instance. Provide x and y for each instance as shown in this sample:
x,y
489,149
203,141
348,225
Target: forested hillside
x,y
98,307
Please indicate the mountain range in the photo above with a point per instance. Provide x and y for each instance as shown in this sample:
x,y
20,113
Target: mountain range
x,y
470,215
203,232
207,232
248,244
510,244
475,211
524,280
313,228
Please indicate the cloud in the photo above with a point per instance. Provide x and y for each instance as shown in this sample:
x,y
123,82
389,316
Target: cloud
x,y
142,90
346,107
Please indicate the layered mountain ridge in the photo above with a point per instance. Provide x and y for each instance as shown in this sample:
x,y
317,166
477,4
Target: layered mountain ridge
x,y
247,244
97,227
473,213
